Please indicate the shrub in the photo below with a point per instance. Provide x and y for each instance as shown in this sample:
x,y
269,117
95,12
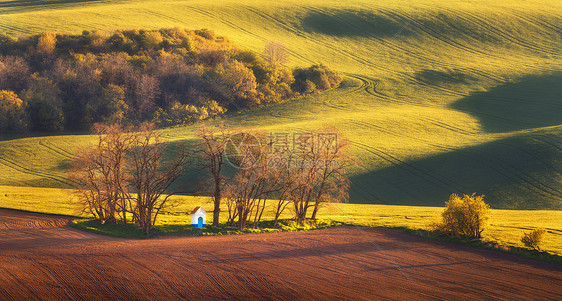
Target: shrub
x,y
321,76
464,216
534,238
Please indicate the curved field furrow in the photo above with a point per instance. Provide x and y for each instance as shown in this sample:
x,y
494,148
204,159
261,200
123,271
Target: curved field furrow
x,y
226,22
449,127
545,166
473,18
25,170
438,36
234,26
444,184
55,149
400,48
538,22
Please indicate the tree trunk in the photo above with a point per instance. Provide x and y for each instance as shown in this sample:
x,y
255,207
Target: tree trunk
x,y
316,207
216,213
217,209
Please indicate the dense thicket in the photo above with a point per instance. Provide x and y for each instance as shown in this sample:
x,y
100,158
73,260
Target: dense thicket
x,y
167,76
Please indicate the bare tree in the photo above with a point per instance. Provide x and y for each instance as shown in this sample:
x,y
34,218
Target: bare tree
x,y
127,171
146,91
284,182
100,172
319,172
250,189
276,53
14,73
150,176
211,146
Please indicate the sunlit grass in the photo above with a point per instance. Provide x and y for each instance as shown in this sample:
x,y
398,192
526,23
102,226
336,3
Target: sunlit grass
x,y
438,97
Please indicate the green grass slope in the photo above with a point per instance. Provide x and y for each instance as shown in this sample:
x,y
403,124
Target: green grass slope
x,y
438,98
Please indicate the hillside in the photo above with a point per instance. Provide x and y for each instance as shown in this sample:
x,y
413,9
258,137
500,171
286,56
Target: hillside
x,y
437,98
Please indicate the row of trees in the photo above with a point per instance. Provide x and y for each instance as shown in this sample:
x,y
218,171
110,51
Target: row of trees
x,y
127,175
168,76
299,179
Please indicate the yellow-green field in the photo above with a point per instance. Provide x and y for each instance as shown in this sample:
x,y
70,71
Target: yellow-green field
x,y
438,97
456,96
505,226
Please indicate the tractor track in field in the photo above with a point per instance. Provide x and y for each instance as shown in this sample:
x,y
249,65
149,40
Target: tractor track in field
x,y
25,170
241,29
443,184
397,47
42,258
56,149
226,22
481,158
537,22
489,116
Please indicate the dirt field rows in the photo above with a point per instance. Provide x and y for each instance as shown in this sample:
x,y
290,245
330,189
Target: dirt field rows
x,y
41,257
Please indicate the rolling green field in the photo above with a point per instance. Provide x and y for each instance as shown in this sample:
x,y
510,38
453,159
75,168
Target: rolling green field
x,y
457,96
505,227
438,98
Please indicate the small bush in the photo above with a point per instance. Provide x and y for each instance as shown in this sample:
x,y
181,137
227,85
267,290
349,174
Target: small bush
x,y
464,216
320,76
534,238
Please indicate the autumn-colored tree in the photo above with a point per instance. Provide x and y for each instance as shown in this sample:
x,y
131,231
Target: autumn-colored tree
x,y
534,238
14,73
152,40
464,216
168,76
239,81
46,43
146,91
44,105
12,112
109,107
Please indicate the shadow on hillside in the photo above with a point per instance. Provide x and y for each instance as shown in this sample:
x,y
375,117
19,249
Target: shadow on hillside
x,y
522,172
351,23
534,101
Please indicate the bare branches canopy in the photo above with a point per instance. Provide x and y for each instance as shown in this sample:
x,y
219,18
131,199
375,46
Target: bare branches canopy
x,y
127,171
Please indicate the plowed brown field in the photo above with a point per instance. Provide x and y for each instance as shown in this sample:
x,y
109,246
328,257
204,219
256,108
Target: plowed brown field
x,y
41,257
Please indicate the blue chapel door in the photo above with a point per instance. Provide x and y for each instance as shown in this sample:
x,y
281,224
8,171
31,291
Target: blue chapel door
x,y
200,222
